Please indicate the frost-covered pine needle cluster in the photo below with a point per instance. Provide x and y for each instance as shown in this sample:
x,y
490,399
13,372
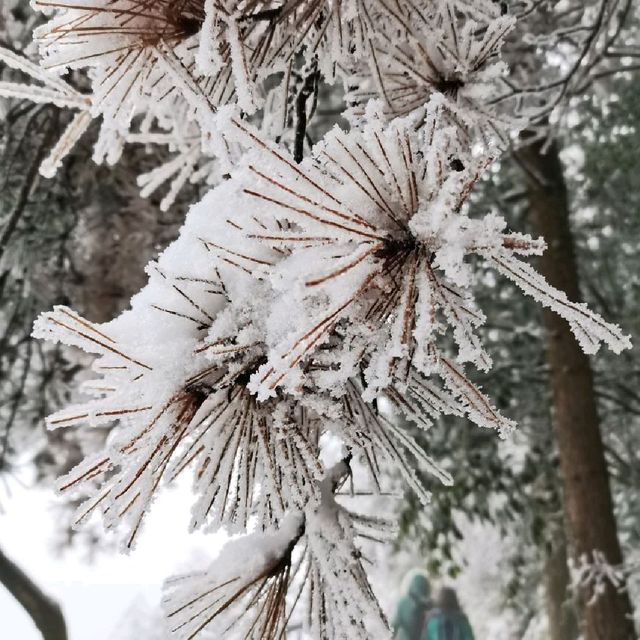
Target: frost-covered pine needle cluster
x,y
299,295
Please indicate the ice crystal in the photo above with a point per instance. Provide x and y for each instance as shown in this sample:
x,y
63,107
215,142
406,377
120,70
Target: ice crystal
x,y
312,557
444,54
376,239
300,293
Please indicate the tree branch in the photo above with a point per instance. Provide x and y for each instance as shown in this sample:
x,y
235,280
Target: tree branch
x,y
308,88
45,612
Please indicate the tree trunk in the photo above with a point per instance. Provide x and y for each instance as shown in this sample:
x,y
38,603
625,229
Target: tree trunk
x,y
587,494
561,614
45,612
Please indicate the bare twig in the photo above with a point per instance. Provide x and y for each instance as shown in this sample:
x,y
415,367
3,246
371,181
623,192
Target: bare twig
x,y
308,88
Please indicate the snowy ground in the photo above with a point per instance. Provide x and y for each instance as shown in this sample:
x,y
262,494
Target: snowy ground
x,y
95,597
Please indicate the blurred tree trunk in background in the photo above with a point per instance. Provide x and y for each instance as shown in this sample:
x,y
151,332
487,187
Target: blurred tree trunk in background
x,y
587,493
45,612
563,624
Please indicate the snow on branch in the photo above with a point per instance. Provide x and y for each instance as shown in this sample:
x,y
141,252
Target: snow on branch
x,y
309,291
375,235
300,291
456,58
54,91
187,405
312,557
596,574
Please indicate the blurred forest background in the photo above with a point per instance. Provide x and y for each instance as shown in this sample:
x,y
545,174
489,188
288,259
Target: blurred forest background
x,y
83,239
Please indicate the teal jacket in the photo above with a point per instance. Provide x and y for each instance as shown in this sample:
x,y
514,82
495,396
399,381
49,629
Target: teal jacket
x,y
412,610
447,625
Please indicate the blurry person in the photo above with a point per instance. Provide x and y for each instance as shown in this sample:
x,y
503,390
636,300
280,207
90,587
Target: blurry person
x,y
412,609
447,621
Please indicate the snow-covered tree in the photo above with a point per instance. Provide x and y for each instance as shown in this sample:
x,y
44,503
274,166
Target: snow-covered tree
x,y
302,292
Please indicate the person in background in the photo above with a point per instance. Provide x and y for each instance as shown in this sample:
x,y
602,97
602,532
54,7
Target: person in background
x,y
412,609
447,621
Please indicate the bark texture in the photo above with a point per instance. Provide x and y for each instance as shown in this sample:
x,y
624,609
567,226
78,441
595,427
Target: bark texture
x,y
45,612
587,494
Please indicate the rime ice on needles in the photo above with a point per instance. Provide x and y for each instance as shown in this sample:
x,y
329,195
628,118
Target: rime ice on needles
x,y
177,409
312,558
296,295
596,573
453,51
131,50
118,40
266,36
180,134
174,372
53,91
153,66
227,47
378,234
150,381
367,243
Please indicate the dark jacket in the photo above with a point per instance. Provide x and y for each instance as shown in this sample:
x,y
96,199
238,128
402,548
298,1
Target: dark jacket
x,y
412,610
